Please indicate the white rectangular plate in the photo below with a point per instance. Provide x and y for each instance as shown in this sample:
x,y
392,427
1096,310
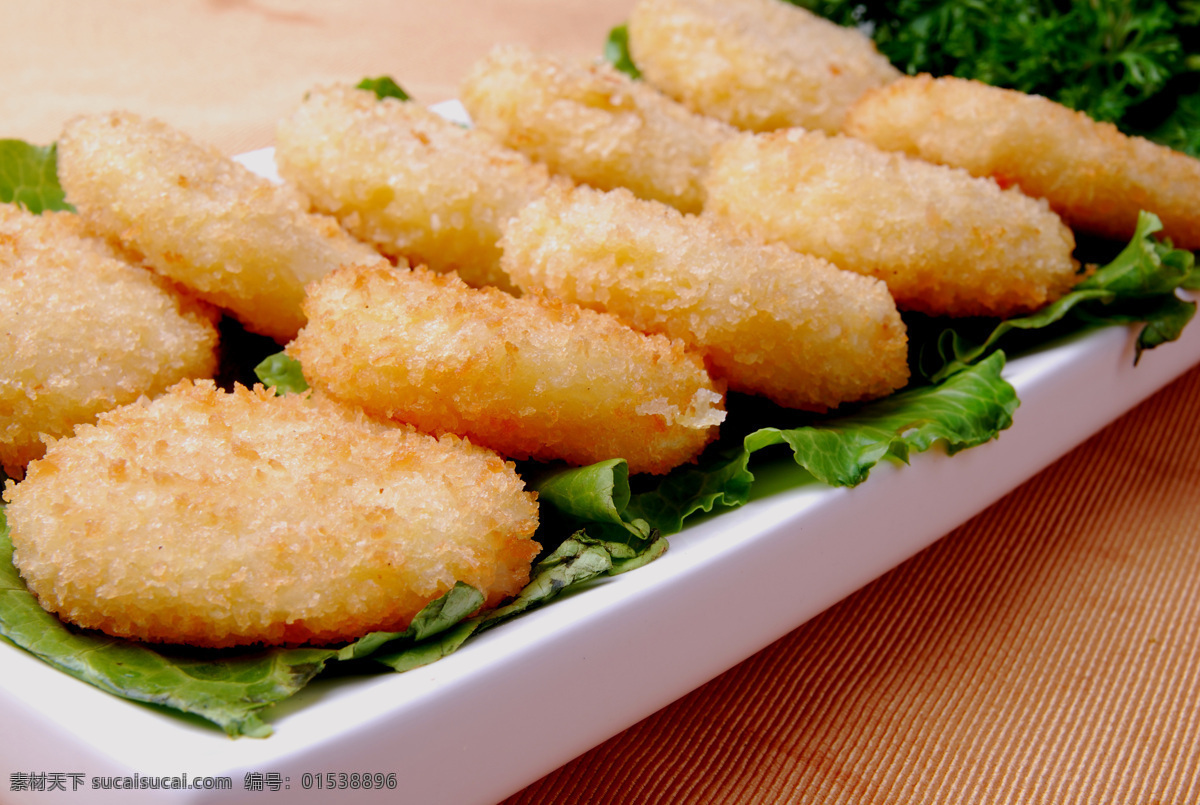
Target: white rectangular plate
x,y
521,700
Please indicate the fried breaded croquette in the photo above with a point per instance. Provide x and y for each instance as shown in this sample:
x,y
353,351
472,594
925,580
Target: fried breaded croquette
x,y
235,239
82,331
593,124
225,519
771,321
758,64
406,180
1095,177
529,377
946,243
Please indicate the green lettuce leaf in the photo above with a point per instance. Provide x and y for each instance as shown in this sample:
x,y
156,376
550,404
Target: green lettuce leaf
x,y
597,494
282,373
29,176
384,87
724,480
578,560
968,408
438,616
616,52
1138,287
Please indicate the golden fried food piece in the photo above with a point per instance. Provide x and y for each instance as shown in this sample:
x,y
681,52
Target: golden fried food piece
x,y
407,180
218,519
593,124
771,321
233,238
945,243
529,377
1095,177
758,64
82,332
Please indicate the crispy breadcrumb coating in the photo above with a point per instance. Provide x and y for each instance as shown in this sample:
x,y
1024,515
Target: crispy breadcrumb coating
x,y
407,180
946,243
1095,177
771,321
82,332
234,238
758,64
593,124
218,519
529,377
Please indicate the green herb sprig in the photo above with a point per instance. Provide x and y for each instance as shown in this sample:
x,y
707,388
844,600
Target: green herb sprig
x,y
1134,63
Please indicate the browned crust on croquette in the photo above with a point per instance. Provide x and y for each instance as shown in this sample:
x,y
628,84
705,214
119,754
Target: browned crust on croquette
x,y
757,64
82,331
231,237
1095,177
945,242
530,377
415,185
771,321
593,124
222,519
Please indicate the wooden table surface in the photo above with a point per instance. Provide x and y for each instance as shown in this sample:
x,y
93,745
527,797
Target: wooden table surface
x,y
1047,651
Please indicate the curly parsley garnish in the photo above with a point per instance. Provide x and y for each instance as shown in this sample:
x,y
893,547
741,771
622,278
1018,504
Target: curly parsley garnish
x,y
1133,63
